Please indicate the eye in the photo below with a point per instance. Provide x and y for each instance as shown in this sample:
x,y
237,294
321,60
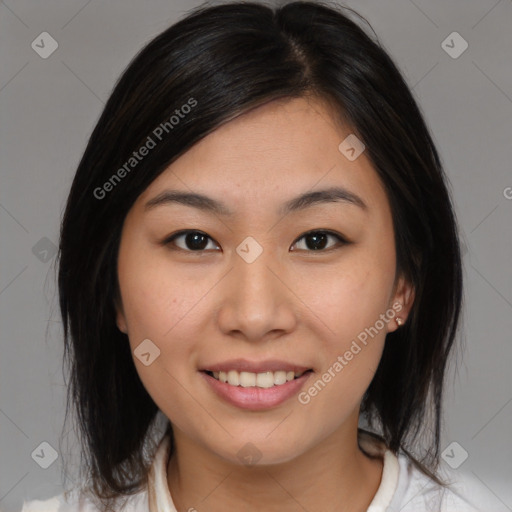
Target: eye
x,y
317,240
197,241
194,241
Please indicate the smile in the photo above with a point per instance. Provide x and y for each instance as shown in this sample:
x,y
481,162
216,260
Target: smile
x,y
258,390
262,380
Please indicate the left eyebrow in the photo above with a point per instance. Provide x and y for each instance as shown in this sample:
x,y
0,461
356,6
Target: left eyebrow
x,y
330,195
306,200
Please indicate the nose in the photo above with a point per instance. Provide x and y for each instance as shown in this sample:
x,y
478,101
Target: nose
x,y
256,302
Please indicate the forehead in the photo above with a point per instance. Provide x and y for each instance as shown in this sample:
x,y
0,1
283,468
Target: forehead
x,y
270,154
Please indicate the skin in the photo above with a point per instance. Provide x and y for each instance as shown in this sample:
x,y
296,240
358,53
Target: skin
x,y
297,305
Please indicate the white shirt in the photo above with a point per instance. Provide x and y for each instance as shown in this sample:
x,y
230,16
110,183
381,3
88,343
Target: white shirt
x,y
403,488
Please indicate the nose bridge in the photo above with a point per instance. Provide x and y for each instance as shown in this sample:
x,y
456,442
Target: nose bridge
x,y
256,301
251,267
255,280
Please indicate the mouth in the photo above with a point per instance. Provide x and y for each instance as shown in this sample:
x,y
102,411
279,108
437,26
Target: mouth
x,y
255,386
262,380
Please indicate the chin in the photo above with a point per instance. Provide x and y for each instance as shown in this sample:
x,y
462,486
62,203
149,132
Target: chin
x,y
258,450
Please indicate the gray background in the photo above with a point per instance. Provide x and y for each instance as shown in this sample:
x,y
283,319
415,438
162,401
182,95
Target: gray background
x,y
49,107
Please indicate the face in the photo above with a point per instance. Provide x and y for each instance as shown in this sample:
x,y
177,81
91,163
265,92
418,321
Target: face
x,y
252,284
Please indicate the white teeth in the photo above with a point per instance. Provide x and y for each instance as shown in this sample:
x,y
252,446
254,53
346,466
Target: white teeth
x,y
247,379
279,378
233,378
265,380
260,380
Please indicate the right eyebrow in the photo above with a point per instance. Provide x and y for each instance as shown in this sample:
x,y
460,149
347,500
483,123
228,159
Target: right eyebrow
x,y
192,199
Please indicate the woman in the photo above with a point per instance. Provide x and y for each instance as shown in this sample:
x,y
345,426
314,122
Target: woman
x,y
259,254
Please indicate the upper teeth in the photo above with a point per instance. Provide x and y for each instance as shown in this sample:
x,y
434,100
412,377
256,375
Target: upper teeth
x,y
259,380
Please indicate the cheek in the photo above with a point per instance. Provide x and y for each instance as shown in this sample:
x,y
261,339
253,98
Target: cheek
x,y
349,296
350,300
159,303
350,306
156,295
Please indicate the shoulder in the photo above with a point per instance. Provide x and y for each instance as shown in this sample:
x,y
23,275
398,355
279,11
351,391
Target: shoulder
x,y
73,501
416,492
50,505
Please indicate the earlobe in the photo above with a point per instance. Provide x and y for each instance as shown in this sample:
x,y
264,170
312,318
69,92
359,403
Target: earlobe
x,y
120,318
121,322
401,304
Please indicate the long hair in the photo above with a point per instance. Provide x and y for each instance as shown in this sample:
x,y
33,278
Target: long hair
x,y
222,61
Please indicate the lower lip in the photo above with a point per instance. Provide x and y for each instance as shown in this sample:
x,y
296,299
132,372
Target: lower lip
x,y
253,398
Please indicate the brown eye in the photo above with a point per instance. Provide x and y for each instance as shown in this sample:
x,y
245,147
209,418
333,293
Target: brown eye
x,y
318,240
193,241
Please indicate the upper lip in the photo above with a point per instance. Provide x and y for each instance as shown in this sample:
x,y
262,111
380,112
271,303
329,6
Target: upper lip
x,y
244,365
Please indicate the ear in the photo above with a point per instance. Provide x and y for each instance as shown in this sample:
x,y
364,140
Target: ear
x,y
401,302
121,322
120,318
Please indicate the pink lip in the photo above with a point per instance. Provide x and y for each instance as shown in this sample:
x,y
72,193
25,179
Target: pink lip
x,y
243,365
253,398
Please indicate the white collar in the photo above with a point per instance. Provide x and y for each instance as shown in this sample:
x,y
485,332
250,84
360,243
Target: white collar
x,y
160,500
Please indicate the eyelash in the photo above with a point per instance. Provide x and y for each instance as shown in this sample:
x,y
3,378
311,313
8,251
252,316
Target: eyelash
x,y
341,240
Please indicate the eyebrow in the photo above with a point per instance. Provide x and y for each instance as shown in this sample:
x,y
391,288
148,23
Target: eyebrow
x,y
208,204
